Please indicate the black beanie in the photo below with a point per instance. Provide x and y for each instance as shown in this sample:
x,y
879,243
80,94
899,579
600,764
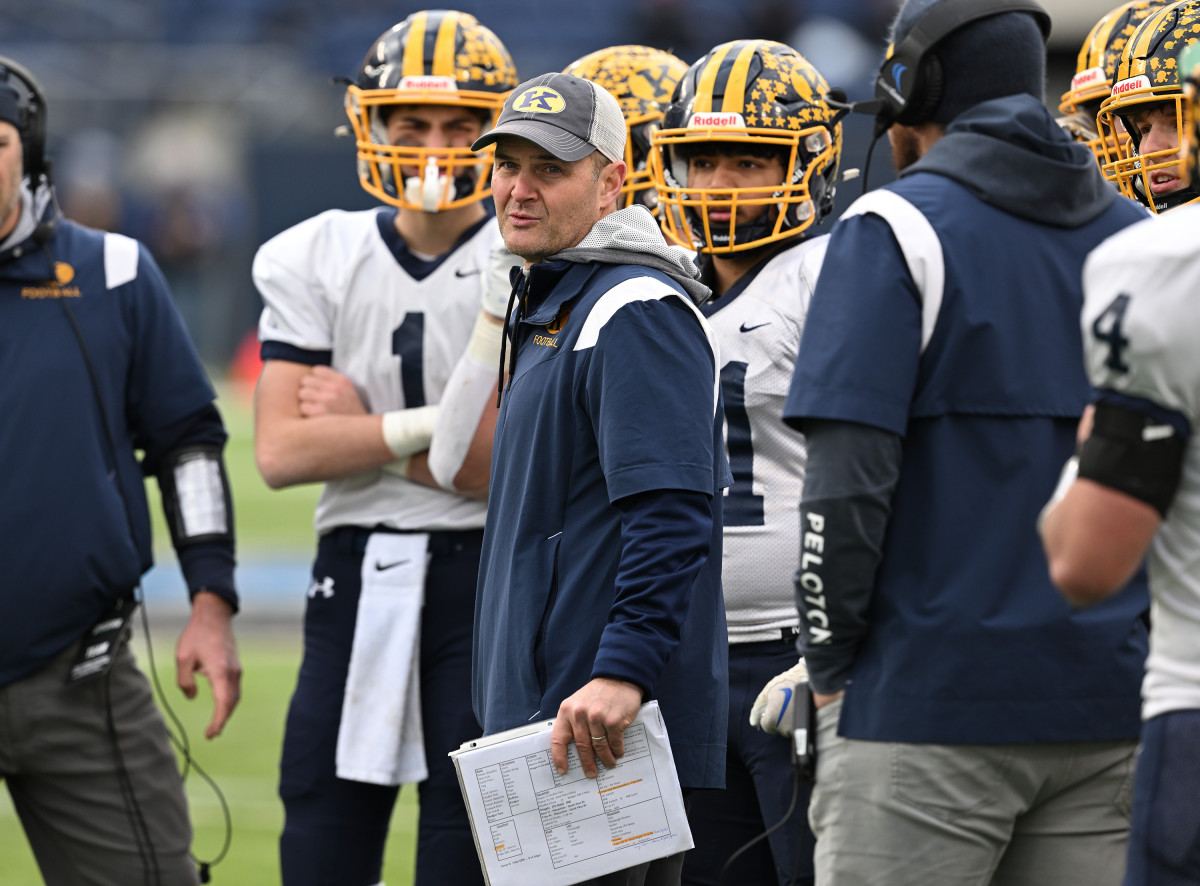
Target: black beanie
x,y
10,105
988,58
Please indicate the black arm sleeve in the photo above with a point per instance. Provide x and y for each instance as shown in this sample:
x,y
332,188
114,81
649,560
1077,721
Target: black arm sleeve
x,y
844,511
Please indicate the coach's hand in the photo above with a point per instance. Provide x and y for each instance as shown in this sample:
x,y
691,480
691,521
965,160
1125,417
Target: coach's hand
x,y
595,719
775,708
207,646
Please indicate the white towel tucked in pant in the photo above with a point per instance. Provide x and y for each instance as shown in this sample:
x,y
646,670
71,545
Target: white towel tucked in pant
x,y
379,739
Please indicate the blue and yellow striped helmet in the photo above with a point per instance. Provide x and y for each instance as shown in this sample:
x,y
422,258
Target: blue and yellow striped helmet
x,y
763,94
433,57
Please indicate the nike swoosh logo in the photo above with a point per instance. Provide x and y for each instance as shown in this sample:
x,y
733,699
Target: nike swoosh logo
x,y
380,566
471,273
787,699
745,328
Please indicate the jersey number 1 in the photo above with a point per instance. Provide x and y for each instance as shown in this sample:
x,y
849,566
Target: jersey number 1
x,y
408,343
742,506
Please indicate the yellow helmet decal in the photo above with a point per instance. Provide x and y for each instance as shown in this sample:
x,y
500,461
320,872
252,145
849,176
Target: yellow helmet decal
x,y
414,50
708,78
735,89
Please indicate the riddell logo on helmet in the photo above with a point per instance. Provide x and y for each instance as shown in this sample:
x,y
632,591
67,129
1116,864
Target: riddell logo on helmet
x,y
1090,77
708,121
430,84
1139,82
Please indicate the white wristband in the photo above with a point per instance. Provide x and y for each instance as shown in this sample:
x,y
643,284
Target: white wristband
x,y
407,431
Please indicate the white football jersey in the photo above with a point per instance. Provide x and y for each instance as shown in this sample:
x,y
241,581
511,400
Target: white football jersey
x,y
759,330
331,283
1141,331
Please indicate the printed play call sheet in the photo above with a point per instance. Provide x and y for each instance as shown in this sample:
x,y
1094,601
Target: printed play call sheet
x,y
533,825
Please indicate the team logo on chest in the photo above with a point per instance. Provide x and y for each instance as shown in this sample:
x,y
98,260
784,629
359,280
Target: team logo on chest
x,y
63,274
554,327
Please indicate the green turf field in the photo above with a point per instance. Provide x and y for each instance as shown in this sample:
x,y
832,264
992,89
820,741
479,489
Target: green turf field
x,y
245,758
243,761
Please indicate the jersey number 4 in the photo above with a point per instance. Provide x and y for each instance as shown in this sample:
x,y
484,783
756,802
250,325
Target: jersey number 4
x,y
742,506
1107,328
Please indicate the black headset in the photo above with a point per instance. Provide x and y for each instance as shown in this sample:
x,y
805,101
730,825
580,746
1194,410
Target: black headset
x,y
908,87
31,111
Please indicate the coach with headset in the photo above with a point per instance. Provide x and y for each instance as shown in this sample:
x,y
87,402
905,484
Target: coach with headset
x,y
96,364
971,726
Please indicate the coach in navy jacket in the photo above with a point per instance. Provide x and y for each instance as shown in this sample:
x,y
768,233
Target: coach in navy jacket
x,y
599,586
972,726
96,366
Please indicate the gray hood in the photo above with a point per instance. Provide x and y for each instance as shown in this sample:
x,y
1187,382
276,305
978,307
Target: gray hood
x,y
631,236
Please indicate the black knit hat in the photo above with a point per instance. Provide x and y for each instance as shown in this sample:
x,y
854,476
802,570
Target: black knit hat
x,y
1000,55
10,105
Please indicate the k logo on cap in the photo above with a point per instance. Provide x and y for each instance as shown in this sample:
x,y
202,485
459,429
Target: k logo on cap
x,y
540,100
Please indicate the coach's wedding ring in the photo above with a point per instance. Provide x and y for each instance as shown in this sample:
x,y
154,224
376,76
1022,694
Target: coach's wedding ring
x,y
599,738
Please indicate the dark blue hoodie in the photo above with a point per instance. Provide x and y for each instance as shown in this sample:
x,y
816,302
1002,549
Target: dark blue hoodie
x,y
938,617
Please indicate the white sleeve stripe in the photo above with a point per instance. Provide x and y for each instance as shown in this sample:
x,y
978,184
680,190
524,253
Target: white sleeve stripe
x,y
644,289
120,260
921,247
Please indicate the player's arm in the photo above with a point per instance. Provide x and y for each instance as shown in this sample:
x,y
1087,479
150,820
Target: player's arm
x,y
460,455
1113,497
310,425
844,510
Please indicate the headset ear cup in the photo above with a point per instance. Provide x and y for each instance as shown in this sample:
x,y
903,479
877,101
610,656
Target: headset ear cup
x,y
32,121
927,92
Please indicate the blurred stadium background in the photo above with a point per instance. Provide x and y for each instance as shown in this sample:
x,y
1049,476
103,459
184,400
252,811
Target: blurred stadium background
x,y
203,127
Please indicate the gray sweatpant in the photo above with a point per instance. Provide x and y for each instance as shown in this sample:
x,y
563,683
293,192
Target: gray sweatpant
x,y
58,760
891,814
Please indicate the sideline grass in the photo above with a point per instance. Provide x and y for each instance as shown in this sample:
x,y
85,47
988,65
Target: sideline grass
x,y
244,762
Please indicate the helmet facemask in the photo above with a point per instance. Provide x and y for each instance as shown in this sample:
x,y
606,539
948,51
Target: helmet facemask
x,y
756,98
433,58
1147,78
433,179
794,205
1135,171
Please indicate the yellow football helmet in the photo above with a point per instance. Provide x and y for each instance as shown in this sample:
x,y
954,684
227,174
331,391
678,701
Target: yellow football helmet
x,y
761,94
1095,68
642,79
1148,75
434,57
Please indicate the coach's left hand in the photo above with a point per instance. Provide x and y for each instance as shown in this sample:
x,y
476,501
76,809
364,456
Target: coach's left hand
x,y
207,646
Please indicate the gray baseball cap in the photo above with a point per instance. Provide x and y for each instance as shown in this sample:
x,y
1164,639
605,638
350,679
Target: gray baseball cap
x,y
566,115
